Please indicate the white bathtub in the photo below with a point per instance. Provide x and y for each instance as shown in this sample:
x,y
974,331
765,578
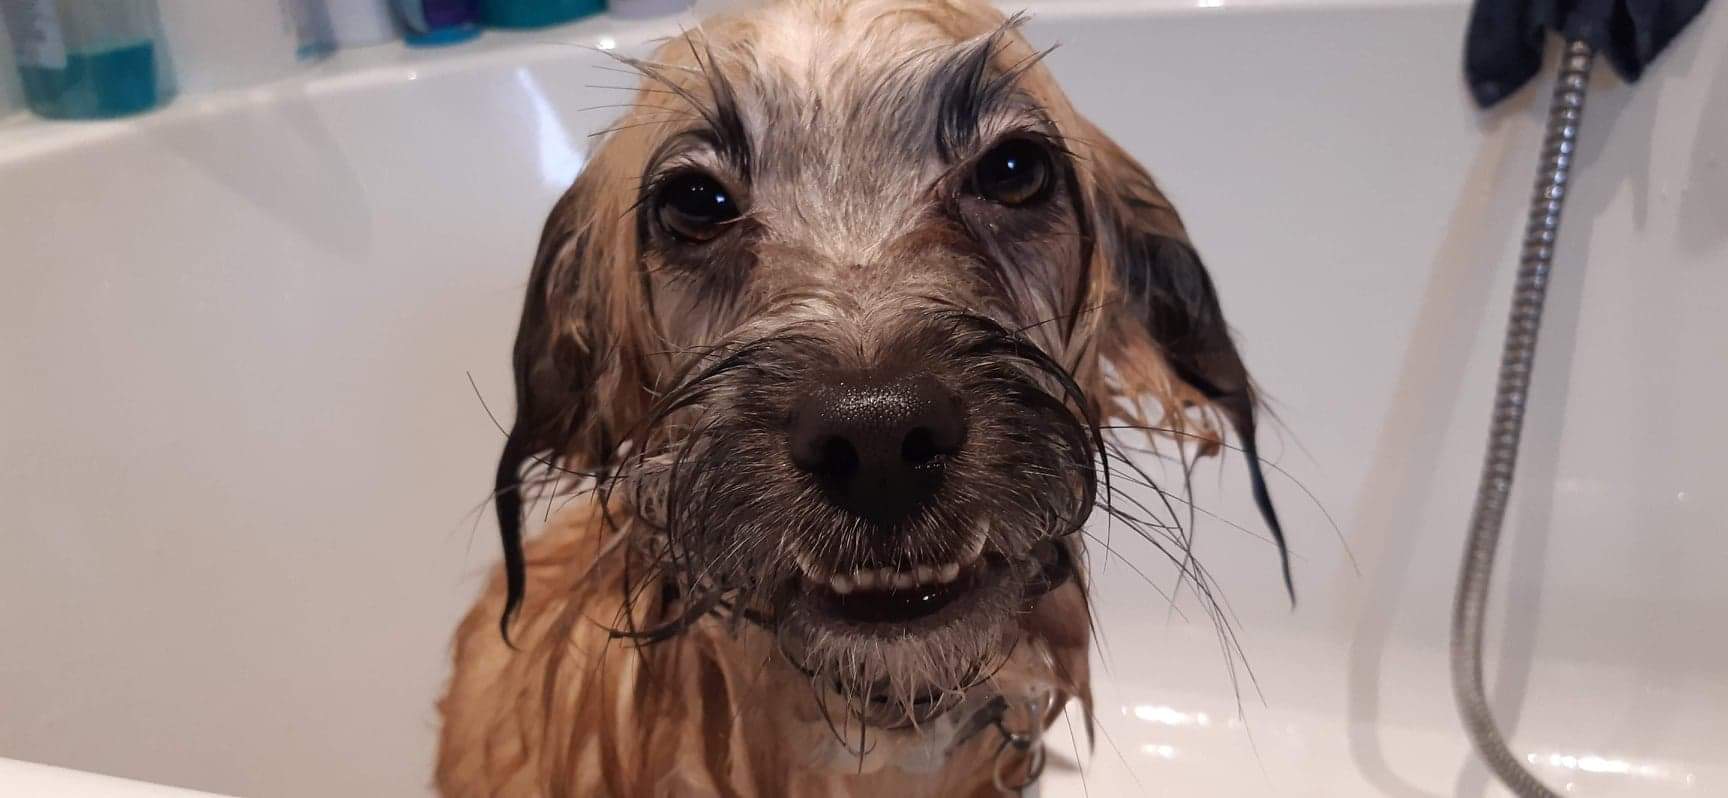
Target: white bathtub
x,y
241,455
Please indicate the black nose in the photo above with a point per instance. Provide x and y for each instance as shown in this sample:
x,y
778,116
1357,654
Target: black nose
x,y
878,447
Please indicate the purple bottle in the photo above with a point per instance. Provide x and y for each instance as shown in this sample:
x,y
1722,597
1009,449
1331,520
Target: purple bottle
x,y
432,23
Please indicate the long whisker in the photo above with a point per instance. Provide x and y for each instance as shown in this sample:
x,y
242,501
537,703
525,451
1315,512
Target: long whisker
x,y
1337,531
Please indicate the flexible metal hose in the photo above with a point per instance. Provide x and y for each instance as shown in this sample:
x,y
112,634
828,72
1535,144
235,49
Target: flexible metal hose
x,y
1469,611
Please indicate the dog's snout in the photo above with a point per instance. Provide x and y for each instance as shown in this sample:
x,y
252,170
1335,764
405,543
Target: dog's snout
x,y
878,447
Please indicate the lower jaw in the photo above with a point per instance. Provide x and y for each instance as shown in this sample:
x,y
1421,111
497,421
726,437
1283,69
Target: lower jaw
x,y
991,581
915,670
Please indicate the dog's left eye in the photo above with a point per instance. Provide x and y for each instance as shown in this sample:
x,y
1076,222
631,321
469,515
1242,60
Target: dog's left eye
x,y
695,206
1015,172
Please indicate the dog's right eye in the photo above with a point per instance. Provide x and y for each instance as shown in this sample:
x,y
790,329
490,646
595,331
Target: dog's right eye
x,y
695,207
1015,172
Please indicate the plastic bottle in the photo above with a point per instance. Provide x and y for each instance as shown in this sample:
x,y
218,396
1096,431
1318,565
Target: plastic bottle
x,y
11,92
239,43
643,9
89,59
362,22
535,13
437,22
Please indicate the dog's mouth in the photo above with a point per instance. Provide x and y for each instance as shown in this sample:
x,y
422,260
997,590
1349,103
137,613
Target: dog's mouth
x,y
908,599
898,594
903,644
896,604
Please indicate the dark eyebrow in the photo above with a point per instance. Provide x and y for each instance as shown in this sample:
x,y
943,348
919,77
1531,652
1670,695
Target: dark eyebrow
x,y
724,128
731,138
967,87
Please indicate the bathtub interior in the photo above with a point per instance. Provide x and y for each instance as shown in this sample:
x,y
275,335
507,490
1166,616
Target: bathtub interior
x,y
245,469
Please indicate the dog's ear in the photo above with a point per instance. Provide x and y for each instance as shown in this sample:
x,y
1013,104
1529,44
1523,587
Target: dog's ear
x,y
1164,332
570,351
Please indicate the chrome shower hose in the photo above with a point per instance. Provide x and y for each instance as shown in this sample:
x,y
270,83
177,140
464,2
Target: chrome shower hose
x,y
1469,611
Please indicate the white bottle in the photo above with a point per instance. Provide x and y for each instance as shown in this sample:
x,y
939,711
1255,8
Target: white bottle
x,y
361,22
11,91
236,43
642,9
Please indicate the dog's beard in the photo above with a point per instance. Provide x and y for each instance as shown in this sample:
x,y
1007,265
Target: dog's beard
x,y
739,531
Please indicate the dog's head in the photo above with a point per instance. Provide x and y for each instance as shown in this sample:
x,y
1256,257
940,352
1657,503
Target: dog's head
x,y
838,311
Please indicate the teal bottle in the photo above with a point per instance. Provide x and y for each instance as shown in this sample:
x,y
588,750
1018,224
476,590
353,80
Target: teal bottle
x,y
535,13
89,59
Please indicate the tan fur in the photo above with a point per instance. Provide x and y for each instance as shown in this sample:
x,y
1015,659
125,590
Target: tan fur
x,y
825,41
715,712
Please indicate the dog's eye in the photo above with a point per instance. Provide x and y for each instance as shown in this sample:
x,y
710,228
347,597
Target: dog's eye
x,y
1015,172
695,207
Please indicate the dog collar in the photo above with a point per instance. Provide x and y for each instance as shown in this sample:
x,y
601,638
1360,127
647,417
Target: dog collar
x,y
993,715
986,714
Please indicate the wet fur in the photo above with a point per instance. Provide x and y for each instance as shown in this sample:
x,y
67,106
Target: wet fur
x,y
650,643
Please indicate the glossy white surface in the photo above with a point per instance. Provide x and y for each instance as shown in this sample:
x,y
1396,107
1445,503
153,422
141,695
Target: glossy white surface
x,y
241,454
46,781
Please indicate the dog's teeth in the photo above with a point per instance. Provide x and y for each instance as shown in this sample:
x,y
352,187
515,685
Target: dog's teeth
x,y
841,583
866,579
948,572
904,580
926,574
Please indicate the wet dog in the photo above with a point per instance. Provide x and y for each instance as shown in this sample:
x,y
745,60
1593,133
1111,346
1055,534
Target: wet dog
x,y
820,353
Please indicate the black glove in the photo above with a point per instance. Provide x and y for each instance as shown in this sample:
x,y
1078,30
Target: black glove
x,y
1503,44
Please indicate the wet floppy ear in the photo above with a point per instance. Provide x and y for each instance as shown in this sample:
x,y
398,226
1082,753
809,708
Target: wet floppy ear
x,y
1165,336
567,353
